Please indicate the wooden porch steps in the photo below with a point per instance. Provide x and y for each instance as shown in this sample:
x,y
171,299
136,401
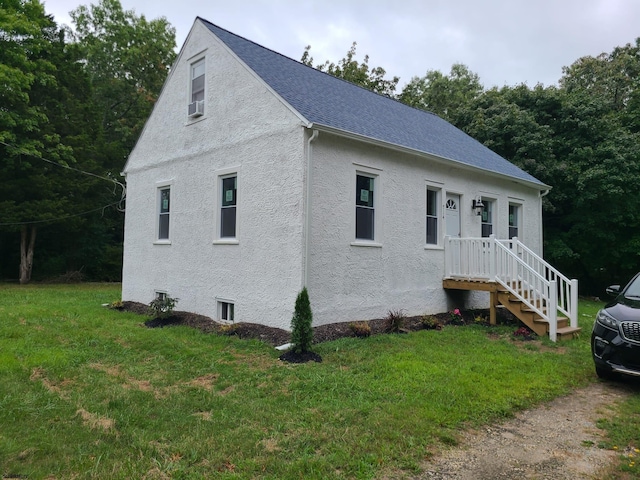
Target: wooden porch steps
x,y
501,297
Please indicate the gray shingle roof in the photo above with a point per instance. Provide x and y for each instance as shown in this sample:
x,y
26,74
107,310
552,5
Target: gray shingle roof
x,y
326,100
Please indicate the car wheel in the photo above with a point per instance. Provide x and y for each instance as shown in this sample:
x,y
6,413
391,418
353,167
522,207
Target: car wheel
x,y
605,374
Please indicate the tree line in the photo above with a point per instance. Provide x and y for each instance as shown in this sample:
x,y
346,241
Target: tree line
x,y
73,101
582,137
72,104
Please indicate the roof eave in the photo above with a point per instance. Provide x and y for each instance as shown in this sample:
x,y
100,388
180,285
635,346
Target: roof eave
x,y
400,148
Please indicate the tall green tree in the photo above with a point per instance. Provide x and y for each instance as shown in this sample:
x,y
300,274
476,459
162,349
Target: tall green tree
x,y
32,190
579,139
128,58
512,122
79,105
348,68
444,95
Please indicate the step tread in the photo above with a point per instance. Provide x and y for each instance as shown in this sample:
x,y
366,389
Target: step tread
x,y
564,330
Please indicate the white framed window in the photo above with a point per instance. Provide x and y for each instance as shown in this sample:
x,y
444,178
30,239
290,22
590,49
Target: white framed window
x,y
514,220
433,215
160,295
487,217
228,205
365,207
226,310
196,89
164,212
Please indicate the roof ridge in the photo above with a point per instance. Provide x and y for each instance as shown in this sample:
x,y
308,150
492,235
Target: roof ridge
x,y
345,106
422,110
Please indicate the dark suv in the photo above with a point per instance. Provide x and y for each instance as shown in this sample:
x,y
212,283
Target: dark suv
x,y
615,340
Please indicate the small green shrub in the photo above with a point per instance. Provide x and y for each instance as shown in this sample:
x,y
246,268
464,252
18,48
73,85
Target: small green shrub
x,y
301,331
430,322
395,320
360,329
456,318
116,305
228,329
480,318
523,333
162,307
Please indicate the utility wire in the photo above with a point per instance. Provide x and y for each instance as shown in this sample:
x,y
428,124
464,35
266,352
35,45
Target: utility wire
x,y
116,184
61,218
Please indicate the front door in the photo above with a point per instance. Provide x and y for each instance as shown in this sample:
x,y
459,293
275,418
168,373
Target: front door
x,y
452,215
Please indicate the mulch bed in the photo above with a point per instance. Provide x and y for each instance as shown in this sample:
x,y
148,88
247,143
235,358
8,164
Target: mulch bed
x,y
277,336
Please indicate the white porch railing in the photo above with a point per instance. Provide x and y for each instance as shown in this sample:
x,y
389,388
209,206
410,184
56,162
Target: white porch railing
x,y
519,270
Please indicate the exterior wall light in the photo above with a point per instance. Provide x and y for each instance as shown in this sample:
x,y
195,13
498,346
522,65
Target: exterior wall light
x,y
477,205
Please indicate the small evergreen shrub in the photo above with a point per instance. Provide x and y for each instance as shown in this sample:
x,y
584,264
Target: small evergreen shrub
x,y
162,307
360,329
430,322
301,331
395,321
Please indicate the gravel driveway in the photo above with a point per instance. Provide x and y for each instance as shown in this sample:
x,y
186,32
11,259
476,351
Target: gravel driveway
x,y
558,440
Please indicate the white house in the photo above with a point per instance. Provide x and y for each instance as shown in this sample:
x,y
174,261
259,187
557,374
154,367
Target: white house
x,y
256,175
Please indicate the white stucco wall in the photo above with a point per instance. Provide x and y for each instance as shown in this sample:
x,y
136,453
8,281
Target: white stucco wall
x,y
245,130
349,282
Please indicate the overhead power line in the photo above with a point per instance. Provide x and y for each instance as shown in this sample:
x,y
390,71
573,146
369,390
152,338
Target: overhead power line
x,y
119,204
57,164
34,222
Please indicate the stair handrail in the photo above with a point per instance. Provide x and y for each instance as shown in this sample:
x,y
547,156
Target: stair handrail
x,y
540,287
567,289
526,284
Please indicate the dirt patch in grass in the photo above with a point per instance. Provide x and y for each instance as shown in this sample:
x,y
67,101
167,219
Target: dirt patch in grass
x,y
206,381
94,421
203,415
38,374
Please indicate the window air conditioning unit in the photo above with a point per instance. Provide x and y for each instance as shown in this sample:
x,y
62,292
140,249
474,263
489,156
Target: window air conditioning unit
x,y
196,109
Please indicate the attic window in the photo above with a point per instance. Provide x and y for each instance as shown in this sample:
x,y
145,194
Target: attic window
x,y
196,105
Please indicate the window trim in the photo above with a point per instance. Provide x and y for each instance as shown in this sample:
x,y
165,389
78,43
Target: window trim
x,y
375,174
223,304
220,175
519,209
160,186
228,208
439,214
199,59
490,205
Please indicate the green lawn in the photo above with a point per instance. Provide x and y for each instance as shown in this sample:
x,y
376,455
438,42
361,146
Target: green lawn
x,y
88,392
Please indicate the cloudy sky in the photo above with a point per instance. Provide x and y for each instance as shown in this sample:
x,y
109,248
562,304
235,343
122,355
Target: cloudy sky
x,y
506,42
